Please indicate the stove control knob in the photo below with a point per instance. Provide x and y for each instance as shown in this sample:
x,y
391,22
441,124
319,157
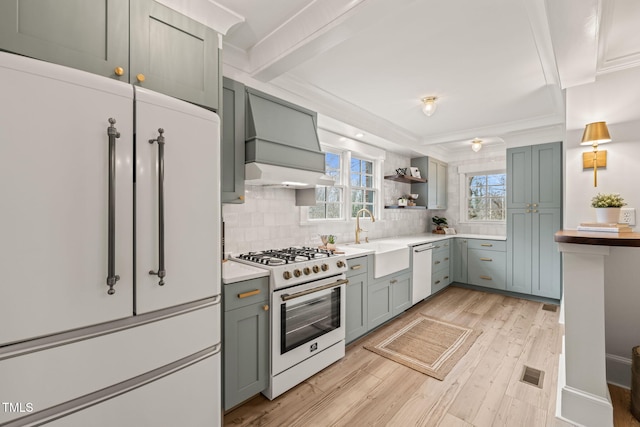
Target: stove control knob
x,y
307,271
286,275
316,269
297,272
324,267
341,264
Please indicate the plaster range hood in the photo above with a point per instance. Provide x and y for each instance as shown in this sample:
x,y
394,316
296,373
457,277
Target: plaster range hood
x,y
281,146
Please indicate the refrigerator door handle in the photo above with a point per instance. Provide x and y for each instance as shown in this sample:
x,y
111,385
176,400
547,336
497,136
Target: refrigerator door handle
x,y
161,273
112,277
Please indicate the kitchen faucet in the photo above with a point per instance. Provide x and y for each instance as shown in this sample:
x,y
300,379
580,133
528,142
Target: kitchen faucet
x,y
358,229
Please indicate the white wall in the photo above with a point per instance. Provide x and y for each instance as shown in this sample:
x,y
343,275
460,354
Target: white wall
x,y
615,98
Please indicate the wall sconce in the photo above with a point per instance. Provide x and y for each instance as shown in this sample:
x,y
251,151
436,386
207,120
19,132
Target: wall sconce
x,y
476,144
429,105
595,134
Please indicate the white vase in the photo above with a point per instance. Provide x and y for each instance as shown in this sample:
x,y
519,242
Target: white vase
x,y
607,215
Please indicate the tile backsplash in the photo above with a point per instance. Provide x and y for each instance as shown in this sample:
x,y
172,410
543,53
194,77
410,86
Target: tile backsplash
x,y
270,219
453,200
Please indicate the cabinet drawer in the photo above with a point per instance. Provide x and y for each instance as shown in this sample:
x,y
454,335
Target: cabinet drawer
x,y
241,294
439,280
490,245
487,268
357,265
440,259
441,246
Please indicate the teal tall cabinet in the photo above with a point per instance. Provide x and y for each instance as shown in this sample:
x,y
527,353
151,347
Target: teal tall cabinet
x,y
534,214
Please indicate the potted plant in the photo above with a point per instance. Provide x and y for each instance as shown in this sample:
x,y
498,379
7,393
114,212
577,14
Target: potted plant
x,y
440,223
607,207
331,242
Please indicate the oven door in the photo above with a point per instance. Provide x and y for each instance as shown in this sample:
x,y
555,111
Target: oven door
x,y
306,319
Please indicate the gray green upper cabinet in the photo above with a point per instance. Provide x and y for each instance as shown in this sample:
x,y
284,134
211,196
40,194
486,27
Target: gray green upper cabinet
x,y
171,53
232,167
88,35
176,55
534,176
433,195
534,214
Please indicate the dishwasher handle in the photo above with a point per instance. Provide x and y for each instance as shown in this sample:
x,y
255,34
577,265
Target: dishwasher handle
x,y
422,248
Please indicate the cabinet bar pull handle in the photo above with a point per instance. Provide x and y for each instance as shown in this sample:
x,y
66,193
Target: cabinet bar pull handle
x,y
393,281
446,277
486,277
437,262
287,297
356,267
486,259
446,259
486,244
437,282
112,277
161,273
249,294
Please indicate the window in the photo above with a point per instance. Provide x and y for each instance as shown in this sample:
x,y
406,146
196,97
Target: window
x,y
362,188
354,177
486,197
329,200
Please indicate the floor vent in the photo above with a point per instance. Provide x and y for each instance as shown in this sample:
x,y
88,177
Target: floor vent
x,y
550,307
532,376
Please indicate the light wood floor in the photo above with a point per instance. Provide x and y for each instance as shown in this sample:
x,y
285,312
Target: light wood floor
x,y
483,389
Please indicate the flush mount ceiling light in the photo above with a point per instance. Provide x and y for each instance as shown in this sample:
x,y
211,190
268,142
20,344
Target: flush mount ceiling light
x,y
476,144
595,134
429,105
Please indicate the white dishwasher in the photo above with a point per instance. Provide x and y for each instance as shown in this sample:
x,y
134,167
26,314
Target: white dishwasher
x,y
421,272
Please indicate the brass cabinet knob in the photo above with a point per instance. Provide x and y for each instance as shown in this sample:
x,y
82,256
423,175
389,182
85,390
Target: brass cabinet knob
x,y
265,307
140,77
119,71
240,197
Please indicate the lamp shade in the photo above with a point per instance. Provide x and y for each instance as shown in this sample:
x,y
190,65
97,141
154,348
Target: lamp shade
x,y
429,105
595,133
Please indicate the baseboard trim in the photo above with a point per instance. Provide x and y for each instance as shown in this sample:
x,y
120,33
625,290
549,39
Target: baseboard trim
x,y
618,370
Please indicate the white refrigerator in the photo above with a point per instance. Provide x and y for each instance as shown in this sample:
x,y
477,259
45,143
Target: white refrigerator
x,y
109,252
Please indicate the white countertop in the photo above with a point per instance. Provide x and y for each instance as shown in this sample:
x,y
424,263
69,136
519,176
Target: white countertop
x,y
233,272
352,250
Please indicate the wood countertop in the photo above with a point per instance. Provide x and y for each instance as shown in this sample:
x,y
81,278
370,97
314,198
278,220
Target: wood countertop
x,y
598,238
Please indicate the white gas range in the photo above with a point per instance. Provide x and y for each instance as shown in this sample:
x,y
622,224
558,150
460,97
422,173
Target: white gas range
x,y
307,312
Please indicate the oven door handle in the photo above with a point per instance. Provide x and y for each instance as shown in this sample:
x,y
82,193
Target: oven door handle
x,y
287,297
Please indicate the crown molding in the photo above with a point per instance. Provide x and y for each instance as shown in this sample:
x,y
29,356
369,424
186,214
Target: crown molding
x,y
207,12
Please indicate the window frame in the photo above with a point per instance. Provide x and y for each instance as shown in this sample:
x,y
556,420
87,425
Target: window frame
x,y
345,177
464,177
343,186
